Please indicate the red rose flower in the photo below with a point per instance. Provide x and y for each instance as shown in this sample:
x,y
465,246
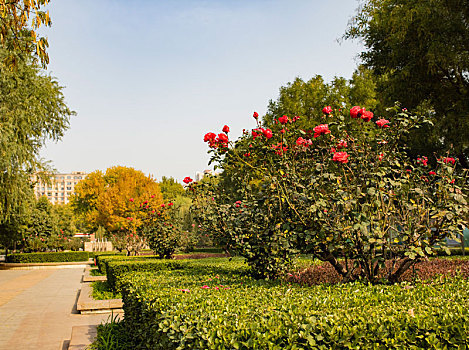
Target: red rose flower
x,y
340,157
383,123
187,180
447,160
210,136
267,133
257,132
431,173
282,131
131,199
226,129
380,158
354,112
321,129
255,115
283,119
222,140
327,110
366,115
423,161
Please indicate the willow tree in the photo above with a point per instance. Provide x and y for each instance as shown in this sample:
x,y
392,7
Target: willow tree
x,y
32,111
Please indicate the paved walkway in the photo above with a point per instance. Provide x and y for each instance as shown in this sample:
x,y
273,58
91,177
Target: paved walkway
x,y
38,308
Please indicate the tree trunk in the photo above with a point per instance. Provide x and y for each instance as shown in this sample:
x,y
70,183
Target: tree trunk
x,y
406,263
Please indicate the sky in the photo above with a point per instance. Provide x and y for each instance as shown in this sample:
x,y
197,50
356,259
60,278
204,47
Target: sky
x,y
148,78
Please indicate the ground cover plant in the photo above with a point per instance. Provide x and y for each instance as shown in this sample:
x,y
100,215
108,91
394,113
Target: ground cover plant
x,y
102,291
217,305
343,190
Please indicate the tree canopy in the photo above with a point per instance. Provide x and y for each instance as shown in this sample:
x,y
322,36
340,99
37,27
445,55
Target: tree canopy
x,y
19,21
112,199
32,111
170,188
420,52
306,99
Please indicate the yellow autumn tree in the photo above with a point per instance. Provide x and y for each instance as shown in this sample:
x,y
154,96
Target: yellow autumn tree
x,y
112,199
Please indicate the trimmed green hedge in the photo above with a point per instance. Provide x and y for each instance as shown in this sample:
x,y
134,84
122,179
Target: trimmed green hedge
x,y
100,259
49,257
219,307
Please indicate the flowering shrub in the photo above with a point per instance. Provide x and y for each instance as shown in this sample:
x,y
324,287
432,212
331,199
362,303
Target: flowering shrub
x,y
355,208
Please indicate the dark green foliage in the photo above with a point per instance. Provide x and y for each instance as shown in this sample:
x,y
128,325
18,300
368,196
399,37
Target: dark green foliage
x,y
172,310
419,49
49,257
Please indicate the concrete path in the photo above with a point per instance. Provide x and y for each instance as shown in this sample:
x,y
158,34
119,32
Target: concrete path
x,y
38,308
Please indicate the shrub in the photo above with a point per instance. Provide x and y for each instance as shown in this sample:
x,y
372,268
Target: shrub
x,y
344,190
116,269
49,257
193,308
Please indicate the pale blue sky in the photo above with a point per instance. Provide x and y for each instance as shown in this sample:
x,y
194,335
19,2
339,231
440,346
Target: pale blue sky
x,y
149,78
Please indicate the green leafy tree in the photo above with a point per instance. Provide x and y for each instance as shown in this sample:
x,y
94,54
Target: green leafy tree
x,y
170,188
420,52
32,111
307,99
65,219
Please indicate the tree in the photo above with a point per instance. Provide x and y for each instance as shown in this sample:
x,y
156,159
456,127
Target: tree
x,y
19,21
111,199
419,50
170,188
307,99
32,111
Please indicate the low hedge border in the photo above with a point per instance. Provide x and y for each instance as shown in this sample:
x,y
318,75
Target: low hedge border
x,y
193,308
49,257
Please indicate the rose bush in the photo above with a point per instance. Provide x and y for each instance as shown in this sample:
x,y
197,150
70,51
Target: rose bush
x,y
286,190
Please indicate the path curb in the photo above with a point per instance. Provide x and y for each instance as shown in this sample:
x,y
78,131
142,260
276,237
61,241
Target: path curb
x,y
82,337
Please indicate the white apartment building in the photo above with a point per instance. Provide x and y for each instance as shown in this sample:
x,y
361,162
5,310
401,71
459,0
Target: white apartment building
x,y
60,188
200,175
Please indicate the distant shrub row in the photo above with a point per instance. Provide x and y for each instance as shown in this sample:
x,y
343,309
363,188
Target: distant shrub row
x,y
49,257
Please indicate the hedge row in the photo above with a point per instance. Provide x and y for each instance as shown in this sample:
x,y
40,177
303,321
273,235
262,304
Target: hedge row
x,y
209,307
49,257
117,268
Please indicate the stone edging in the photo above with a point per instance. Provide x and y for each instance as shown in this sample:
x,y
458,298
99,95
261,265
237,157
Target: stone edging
x,y
50,265
82,337
86,304
88,278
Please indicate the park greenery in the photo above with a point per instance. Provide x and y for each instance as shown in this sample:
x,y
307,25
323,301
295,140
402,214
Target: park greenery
x,y
334,207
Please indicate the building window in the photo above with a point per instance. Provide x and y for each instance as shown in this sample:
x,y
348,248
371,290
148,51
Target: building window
x,y
69,188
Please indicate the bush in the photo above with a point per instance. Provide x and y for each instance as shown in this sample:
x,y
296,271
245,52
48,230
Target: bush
x,y
342,190
210,306
116,269
49,257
